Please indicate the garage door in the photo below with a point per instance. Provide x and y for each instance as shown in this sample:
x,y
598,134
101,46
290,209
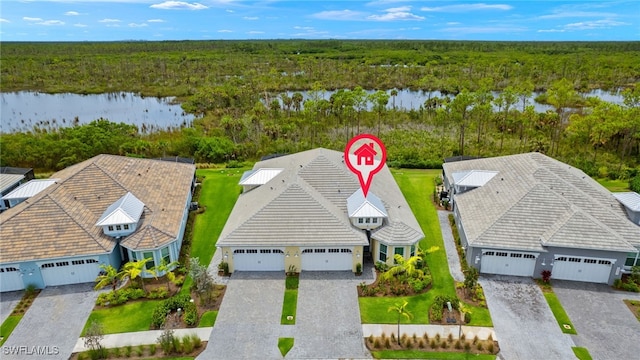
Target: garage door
x,y
325,259
508,263
10,279
578,268
70,272
258,260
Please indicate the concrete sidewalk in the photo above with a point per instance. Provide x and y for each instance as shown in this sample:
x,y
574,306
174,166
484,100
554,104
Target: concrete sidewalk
x,y
469,332
142,338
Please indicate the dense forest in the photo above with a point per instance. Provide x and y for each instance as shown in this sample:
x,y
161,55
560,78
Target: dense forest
x,y
247,96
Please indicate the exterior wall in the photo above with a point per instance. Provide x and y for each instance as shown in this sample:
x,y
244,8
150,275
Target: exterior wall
x,y
375,248
634,216
157,257
357,257
292,258
367,226
119,233
227,255
183,224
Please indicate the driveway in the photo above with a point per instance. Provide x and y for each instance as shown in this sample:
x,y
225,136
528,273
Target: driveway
x,y
605,325
327,323
328,317
51,327
524,325
8,301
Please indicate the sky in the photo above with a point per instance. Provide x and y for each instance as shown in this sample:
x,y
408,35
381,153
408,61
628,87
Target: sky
x,y
515,20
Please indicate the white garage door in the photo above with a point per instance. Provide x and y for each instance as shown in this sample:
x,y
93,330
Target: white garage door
x,y
10,279
508,263
66,272
579,268
258,260
324,259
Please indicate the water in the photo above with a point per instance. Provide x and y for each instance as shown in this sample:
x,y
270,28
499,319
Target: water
x,y
21,111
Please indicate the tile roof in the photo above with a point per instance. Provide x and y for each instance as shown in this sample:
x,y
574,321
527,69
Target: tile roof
x,y
60,221
535,201
306,204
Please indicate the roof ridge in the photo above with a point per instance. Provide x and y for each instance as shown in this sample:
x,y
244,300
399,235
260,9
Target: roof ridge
x,y
75,221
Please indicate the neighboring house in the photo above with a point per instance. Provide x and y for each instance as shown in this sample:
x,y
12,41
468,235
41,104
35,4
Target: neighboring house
x,y
11,178
306,212
26,191
105,210
522,214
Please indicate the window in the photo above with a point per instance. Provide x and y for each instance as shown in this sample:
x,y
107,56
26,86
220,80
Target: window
x,y
383,252
307,251
489,253
360,220
265,251
150,264
375,220
631,260
91,261
252,251
399,251
514,255
368,221
126,226
319,250
166,257
604,262
118,227
77,262
590,261
62,263
574,259
8,269
345,250
110,227
501,253
334,251
413,250
562,258
277,251
529,256
239,251
47,265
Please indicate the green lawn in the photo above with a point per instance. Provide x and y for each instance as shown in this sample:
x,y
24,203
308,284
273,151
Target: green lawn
x,y
208,319
8,325
134,316
558,311
581,353
417,187
416,354
289,307
614,185
219,192
285,344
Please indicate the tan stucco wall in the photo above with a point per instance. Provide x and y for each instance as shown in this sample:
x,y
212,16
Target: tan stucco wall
x,y
226,251
292,257
375,246
357,257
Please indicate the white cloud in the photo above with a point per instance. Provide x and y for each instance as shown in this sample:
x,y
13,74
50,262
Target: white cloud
x,y
396,14
453,23
551,30
134,25
467,7
560,14
51,23
303,27
597,24
26,18
229,11
339,15
250,18
108,21
179,5
399,9
225,31
72,13
255,32
483,30
80,25
4,20
155,21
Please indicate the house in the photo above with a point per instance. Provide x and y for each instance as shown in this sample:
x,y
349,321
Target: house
x,y
366,154
306,212
106,210
11,178
522,214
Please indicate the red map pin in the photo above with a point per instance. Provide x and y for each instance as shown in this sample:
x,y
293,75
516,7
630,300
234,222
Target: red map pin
x,y
365,155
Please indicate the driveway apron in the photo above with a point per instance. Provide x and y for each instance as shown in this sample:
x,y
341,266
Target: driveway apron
x,y
8,301
52,325
523,322
248,323
605,325
328,318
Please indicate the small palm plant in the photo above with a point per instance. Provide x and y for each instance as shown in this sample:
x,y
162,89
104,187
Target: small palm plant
x,y
402,311
109,276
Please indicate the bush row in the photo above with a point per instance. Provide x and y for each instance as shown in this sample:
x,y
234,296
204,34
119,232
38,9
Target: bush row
x,y
181,301
120,297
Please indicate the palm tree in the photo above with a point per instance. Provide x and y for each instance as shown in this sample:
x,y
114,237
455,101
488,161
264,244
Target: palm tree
x,y
167,269
108,276
402,266
134,269
402,311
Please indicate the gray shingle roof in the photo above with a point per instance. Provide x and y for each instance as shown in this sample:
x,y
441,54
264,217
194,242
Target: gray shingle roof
x,y
536,201
306,204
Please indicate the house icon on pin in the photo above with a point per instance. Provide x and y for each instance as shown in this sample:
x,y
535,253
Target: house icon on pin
x,y
365,153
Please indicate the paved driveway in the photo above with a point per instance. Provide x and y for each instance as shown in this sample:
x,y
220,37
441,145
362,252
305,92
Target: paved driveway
x,y
604,323
328,323
8,301
51,327
524,325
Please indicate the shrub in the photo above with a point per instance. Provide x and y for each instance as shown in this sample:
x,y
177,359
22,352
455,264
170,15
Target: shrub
x,y
371,339
140,350
387,343
381,266
152,349
490,347
631,286
135,294
433,344
376,343
187,344
479,346
421,344
190,314
617,283
443,344
166,341
127,351
158,293
546,276
458,345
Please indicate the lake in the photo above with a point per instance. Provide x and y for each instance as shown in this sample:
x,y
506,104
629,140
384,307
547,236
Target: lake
x,y
21,111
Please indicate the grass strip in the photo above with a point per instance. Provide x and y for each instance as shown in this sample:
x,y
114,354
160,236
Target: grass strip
x,y
8,326
289,306
208,319
581,353
558,312
285,344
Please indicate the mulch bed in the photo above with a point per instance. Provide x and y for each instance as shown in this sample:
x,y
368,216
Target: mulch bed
x,y
141,352
434,344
